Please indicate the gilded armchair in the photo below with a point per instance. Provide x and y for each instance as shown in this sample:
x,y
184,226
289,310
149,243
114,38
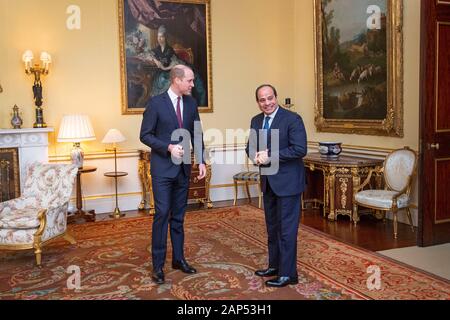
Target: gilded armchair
x,y
40,214
398,170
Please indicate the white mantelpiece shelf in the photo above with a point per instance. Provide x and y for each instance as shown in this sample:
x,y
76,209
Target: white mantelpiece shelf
x,y
25,130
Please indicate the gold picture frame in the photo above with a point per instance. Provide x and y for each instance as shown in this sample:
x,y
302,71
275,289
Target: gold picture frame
x,y
185,26
359,85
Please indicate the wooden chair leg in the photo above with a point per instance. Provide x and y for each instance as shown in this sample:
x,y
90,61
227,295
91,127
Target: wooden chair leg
x,y
235,191
247,189
38,253
408,212
355,216
394,213
259,196
69,238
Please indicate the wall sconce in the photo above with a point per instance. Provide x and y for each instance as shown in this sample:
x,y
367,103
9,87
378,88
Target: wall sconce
x,y
37,70
115,136
76,128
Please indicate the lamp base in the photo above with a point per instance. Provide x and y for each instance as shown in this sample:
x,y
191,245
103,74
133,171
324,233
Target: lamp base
x,y
77,155
117,214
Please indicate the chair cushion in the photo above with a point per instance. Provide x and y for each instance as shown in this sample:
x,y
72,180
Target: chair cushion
x,y
380,199
398,168
25,218
17,236
246,176
51,184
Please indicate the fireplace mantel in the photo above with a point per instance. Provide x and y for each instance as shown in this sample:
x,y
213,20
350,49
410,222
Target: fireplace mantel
x,y
31,142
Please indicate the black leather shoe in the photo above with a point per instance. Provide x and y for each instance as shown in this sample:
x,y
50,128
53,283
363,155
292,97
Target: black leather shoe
x,y
281,281
183,266
158,276
269,272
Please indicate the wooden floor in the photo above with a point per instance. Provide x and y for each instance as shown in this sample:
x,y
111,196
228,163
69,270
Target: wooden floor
x,y
370,233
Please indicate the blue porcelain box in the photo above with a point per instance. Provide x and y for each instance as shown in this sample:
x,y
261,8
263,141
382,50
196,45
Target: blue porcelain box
x,y
330,149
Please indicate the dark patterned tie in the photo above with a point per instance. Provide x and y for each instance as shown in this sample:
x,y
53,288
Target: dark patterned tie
x,y
266,123
180,120
266,131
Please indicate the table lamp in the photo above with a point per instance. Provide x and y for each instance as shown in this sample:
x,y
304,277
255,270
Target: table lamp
x,y
76,128
115,136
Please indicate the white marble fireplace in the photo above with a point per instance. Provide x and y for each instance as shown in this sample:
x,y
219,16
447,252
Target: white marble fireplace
x,y
31,142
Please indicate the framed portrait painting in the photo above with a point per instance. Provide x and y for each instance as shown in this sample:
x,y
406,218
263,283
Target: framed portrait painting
x,y
156,35
359,66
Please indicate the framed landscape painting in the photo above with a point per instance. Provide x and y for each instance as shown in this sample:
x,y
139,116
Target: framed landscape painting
x,y
156,35
359,66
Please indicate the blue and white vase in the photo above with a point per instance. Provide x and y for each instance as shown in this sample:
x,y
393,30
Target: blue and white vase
x,y
330,149
16,120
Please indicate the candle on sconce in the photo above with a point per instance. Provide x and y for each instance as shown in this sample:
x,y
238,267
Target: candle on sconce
x,y
46,60
37,70
27,58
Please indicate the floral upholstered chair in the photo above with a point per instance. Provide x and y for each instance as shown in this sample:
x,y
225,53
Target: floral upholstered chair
x,y
40,214
398,171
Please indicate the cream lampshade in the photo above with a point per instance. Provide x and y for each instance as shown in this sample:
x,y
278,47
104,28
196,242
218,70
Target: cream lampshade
x,y
76,128
114,136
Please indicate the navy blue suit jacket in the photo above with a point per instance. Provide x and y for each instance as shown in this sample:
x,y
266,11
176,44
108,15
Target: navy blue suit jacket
x,y
158,123
290,178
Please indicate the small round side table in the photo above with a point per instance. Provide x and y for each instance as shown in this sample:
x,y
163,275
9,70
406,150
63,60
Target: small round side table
x,y
80,213
115,175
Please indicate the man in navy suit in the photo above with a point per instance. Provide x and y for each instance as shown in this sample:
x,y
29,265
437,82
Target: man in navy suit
x,y
171,123
277,143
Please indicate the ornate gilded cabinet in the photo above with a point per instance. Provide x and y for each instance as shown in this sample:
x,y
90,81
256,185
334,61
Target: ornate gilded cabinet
x,y
340,176
198,190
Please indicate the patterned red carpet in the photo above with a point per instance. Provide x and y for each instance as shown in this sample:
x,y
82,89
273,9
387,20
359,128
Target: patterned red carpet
x,y
225,245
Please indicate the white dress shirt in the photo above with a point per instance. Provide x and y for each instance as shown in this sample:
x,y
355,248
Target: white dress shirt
x,y
272,116
173,97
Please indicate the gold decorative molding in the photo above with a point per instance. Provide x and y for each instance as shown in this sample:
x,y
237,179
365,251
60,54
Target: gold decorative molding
x,y
107,196
344,188
95,155
134,153
230,185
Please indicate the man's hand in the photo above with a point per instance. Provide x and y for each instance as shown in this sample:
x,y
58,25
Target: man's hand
x,y
262,157
176,151
202,173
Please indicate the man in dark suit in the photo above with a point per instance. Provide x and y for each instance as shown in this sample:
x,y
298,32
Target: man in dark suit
x,y
277,143
171,123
